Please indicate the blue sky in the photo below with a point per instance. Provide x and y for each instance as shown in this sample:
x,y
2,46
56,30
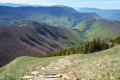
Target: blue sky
x,y
102,4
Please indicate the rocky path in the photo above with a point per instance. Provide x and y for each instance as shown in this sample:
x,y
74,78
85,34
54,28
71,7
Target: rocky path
x,y
53,71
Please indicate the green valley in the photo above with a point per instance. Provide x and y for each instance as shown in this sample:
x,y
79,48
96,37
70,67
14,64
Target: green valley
x,y
54,15
99,28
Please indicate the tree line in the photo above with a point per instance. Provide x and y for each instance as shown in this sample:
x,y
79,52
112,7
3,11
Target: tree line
x,y
116,40
89,47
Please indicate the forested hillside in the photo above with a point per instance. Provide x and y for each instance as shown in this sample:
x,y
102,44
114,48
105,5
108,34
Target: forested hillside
x,y
35,39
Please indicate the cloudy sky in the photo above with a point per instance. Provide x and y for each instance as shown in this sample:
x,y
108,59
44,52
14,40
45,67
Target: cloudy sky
x,y
103,4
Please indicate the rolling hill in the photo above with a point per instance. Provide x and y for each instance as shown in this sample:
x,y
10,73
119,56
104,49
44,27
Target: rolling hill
x,y
112,14
34,39
54,15
99,28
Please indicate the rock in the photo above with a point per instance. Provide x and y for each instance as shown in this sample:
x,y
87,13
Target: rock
x,y
53,68
98,64
38,78
65,76
42,68
48,72
28,77
51,72
52,76
35,72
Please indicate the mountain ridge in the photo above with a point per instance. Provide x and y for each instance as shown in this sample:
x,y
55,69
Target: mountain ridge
x,y
34,39
56,16
109,14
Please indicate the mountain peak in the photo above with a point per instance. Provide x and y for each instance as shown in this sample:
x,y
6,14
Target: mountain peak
x,y
59,6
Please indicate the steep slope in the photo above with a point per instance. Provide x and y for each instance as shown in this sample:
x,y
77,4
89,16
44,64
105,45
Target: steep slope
x,y
106,14
99,28
55,15
35,39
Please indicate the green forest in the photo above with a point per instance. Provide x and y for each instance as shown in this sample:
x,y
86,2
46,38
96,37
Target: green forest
x,y
89,47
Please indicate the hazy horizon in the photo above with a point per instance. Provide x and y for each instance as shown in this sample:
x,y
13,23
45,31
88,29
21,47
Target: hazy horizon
x,y
101,4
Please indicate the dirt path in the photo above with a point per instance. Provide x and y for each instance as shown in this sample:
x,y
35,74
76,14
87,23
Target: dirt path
x,y
55,71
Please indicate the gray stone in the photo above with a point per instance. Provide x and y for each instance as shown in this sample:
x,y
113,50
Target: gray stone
x,y
48,72
52,76
38,78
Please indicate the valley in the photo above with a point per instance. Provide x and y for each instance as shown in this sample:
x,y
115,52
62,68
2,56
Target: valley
x,y
53,15
83,44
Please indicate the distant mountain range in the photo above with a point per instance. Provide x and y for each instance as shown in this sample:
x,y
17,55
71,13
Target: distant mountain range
x,y
35,39
99,28
106,14
54,15
15,5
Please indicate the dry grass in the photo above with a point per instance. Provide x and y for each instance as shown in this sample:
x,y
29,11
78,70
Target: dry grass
x,y
23,66
104,65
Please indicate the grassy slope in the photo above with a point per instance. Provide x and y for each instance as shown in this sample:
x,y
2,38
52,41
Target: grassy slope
x,y
102,65
76,38
23,66
99,28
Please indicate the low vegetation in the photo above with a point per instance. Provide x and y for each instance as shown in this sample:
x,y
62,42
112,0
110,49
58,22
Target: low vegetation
x,y
102,65
23,66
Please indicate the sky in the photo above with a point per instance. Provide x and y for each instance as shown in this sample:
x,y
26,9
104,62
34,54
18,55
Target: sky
x,y
102,4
